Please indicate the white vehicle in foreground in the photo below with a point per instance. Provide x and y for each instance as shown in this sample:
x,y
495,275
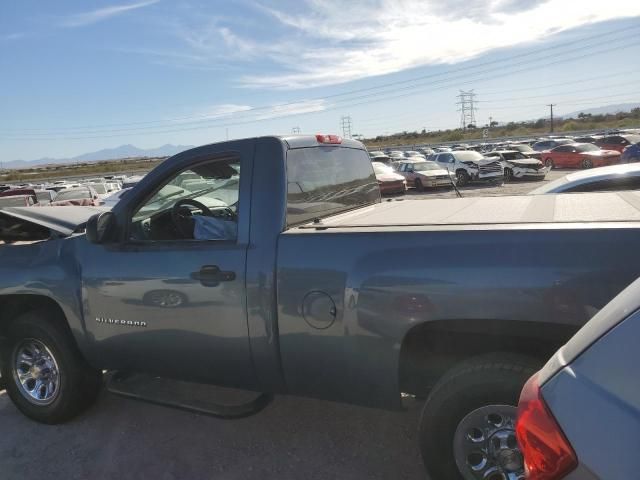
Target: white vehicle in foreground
x,y
603,179
470,166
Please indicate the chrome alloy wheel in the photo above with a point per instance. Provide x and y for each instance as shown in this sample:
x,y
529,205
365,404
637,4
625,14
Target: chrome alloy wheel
x,y
36,372
485,446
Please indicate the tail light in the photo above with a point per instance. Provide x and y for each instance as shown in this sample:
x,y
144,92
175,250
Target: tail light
x,y
547,453
329,139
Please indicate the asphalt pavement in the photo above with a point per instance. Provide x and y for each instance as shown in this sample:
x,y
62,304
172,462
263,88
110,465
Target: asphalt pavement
x,y
293,438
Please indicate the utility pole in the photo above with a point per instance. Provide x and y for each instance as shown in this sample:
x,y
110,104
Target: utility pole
x,y
467,108
551,105
295,130
345,123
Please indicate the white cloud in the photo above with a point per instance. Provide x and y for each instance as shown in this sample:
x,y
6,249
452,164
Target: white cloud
x,y
98,15
230,113
334,41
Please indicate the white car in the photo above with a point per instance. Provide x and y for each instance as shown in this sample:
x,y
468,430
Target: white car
x,y
518,165
111,200
424,173
469,165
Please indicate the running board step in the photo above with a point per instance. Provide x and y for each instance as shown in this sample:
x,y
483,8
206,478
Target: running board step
x,y
193,397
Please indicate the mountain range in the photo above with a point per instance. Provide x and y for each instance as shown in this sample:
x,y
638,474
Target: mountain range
x,y
606,110
123,151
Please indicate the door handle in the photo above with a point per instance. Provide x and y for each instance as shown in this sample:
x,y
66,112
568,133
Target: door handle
x,y
211,275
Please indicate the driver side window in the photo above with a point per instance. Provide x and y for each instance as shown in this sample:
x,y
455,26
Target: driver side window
x,y
199,203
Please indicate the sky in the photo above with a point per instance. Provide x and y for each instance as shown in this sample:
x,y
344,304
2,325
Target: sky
x,y
82,75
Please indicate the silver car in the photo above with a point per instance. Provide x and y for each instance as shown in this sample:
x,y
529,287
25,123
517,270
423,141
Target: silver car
x,y
579,417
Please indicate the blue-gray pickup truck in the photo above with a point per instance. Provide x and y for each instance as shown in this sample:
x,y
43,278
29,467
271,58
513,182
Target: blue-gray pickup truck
x,y
272,265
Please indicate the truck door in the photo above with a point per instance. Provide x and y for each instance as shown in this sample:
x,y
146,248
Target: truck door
x,y
170,297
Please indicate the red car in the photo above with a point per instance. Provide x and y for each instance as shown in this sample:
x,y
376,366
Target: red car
x,y
388,180
617,142
579,155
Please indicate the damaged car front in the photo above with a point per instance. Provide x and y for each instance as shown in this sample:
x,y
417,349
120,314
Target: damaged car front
x,y
518,165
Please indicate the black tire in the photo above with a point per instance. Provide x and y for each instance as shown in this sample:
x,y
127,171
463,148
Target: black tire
x,y
78,383
587,163
418,185
508,175
492,379
463,178
548,163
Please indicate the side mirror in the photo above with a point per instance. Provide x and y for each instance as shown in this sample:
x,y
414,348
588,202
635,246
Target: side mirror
x,y
99,227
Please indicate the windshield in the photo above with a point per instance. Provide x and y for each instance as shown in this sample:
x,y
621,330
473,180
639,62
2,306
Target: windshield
x,y
76,194
424,166
381,168
467,156
514,156
322,181
587,147
101,188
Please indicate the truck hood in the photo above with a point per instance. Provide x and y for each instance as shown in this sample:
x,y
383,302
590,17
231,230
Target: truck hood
x,y
62,220
475,212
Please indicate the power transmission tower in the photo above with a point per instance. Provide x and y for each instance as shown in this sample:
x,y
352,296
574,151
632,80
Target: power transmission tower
x,y
295,130
345,122
467,108
551,105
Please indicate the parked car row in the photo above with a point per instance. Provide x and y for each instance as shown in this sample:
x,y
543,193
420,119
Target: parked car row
x,y
89,192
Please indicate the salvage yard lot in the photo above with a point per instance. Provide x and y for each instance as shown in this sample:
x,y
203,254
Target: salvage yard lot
x,y
291,439
515,187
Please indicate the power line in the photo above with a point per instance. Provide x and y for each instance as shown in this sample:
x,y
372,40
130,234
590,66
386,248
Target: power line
x,y
380,98
205,117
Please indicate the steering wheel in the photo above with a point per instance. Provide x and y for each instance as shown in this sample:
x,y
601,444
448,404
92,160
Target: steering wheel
x,y
181,215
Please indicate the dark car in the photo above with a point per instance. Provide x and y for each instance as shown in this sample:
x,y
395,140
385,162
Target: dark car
x,y
617,142
543,145
631,153
588,139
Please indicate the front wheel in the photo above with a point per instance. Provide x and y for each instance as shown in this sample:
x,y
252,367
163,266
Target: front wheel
x,y
462,177
508,174
419,186
587,163
46,377
548,163
467,428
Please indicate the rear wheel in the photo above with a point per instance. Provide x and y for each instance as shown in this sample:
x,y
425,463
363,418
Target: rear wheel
x,y
419,186
587,163
467,429
47,378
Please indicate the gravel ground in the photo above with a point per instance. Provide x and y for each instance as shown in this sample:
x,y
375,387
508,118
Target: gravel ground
x,y
291,439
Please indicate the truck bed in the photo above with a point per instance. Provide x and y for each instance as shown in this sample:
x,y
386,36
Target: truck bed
x,y
470,213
